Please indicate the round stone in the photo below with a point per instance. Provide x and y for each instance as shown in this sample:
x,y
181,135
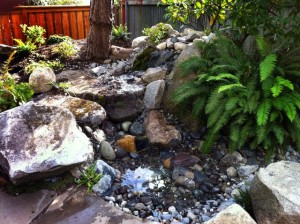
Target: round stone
x,y
126,125
137,128
231,172
107,151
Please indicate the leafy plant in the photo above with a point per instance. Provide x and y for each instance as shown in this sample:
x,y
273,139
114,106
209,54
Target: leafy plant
x,y
244,200
54,65
11,92
24,47
89,177
55,39
53,2
120,32
251,97
65,49
156,33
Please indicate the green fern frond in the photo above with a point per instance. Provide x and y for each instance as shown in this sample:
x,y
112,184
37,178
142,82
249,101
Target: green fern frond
x,y
263,112
279,133
209,141
262,46
285,104
230,87
213,101
187,91
261,133
274,115
279,84
252,102
216,69
295,97
199,106
192,65
245,133
223,77
232,102
217,114
267,66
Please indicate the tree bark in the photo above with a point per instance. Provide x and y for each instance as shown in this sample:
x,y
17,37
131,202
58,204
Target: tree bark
x,y
98,41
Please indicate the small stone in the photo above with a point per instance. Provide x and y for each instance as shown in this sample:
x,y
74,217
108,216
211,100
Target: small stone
x,y
126,125
170,44
231,172
161,46
109,128
191,36
233,159
136,213
127,210
137,129
127,143
107,151
185,182
191,215
100,70
205,218
42,79
198,193
200,177
172,209
166,217
179,46
197,167
99,135
140,206
246,170
235,193
153,74
154,94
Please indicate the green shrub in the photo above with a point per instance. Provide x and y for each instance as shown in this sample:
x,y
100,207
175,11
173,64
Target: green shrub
x,y
157,33
89,178
251,97
55,39
12,93
120,32
65,49
54,65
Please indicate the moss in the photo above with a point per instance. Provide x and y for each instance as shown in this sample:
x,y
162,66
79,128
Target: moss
x,y
63,182
142,59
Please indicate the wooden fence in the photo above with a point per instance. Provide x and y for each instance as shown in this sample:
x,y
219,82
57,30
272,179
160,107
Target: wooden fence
x,y
72,21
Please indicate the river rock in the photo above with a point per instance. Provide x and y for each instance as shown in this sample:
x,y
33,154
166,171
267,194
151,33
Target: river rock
x,y
230,215
42,79
137,129
179,46
86,112
153,74
139,42
154,94
126,125
275,193
99,135
100,70
39,141
185,182
161,46
107,151
170,43
244,171
118,53
159,132
232,159
180,159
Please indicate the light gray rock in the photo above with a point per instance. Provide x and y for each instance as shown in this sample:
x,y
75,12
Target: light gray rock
x,y
126,125
161,46
100,70
153,74
119,69
185,182
39,141
139,42
154,94
181,39
170,43
231,172
99,135
232,159
275,193
107,151
42,79
179,46
86,112
234,214
246,170
191,36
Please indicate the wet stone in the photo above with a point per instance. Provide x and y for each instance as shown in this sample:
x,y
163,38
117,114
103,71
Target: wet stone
x,y
136,129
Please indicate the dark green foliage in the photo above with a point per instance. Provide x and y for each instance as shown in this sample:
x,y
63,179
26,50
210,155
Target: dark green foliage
x,y
55,39
142,59
156,33
251,97
244,200
120,32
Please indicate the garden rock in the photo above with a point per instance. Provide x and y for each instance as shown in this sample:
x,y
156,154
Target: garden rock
x,y
161,46
191,36
86,112
174,80
99,135
42,79
140,42
100,70
231,172
119,69
118,53
159,132
185,182
126,125
154,94
275,193
40,141
179,46
230,215
103,187
107,151
121,100
170,43
137,129
246,170
170,29
154,74
232,159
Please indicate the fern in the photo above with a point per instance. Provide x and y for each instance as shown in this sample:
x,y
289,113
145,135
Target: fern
x,y
267,66
280,83
263,112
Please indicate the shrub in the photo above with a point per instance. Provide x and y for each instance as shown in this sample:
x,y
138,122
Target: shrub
x,y
252,97
89,177
54,65
12,93
156,33
120,32
65,49
55,39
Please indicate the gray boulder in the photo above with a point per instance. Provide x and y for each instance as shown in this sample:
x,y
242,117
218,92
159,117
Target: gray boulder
x,y
233,214
154,74
275,194
154,94
139,42
40,141
86,112
42,79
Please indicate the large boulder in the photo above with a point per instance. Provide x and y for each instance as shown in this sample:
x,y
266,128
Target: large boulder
x,y
118,53
42,79
86,112
140,42
121,100
40,141
233,214
275,194
174,80
159,132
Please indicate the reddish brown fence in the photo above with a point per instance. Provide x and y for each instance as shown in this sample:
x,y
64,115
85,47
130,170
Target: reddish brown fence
x,y
67,20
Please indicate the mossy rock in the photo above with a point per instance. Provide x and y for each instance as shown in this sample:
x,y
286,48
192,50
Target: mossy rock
x,y
140,62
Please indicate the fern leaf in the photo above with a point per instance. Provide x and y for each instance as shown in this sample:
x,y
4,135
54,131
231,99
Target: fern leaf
x,y
245,133
267,66
232,102
216,115
279,133
263,112
230,87
262,46
213,101
209,141
223,76
261,133
252,102
295,98
192,65
198,106
279,84
285,104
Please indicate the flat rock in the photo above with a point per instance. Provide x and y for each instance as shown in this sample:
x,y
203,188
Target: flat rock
x,y
121,100
139,42
275,193
159,132
118,53
24,208
154,74
75,206
154,94
231,215
40,141
86,112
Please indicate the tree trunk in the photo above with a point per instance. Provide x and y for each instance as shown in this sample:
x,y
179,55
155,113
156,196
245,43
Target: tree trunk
x,y
98,41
